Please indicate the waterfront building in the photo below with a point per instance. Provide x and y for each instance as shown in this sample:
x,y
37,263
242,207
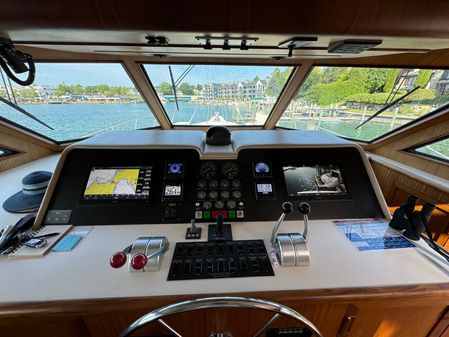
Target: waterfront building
x,y
235,90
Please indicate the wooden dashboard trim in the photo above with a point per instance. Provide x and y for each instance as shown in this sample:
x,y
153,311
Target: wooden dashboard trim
x,y
431,294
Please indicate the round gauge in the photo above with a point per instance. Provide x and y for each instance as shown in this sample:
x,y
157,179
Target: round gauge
x,y
213,194
175,168
201,183
219,204
201,195
224,194
236,194
213,183
224,183
236,183
262,168
208,169
230,169
207,204
231,204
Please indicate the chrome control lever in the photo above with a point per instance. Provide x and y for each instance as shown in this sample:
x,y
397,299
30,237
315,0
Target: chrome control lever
x,y
145,254
291,248
286,208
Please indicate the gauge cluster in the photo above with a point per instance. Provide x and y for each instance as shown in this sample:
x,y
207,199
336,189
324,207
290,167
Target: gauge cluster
x,y
218,191
181,186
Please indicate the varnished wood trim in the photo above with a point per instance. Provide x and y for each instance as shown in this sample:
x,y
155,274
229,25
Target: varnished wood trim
x,y
137,75
297,78
429,179
430,294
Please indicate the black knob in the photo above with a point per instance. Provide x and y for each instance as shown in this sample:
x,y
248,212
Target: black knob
x,y
304,208
286,207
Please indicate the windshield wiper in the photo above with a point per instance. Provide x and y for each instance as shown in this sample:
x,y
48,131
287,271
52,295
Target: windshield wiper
x,y
26,113
387,106
174,87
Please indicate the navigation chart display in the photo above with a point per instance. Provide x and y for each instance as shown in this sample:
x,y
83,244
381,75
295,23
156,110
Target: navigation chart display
x,y
118,183
318,181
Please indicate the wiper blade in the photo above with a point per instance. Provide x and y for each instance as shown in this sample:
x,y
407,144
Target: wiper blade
x,y
26,113
387,106
174,87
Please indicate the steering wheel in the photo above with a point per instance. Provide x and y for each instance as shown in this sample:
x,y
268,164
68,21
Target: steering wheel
x,y
220,302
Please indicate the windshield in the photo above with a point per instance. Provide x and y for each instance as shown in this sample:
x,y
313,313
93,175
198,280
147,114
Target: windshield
x,y
217,94
77,100
339,99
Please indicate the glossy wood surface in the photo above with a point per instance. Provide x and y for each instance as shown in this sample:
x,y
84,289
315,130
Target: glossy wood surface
x,y
351,17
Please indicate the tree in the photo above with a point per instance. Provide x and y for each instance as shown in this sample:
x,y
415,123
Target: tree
x,y
423,78
391,80
165,88
277,81
187,89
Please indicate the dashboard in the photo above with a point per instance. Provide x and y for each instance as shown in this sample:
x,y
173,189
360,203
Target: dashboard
x,y
97,186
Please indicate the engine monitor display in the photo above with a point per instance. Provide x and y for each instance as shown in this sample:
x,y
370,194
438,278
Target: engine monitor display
x,y
174,171
316,181
173,190
118,183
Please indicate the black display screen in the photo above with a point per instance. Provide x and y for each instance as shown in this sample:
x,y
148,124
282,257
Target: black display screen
x,y
118,183
316,181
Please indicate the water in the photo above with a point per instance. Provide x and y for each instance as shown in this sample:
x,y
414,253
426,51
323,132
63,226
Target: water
x,y
73,121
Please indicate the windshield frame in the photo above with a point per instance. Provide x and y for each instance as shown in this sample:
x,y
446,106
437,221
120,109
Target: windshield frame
x,y
293,67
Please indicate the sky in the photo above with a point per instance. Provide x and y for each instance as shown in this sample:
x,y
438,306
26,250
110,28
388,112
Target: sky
x,y
113,74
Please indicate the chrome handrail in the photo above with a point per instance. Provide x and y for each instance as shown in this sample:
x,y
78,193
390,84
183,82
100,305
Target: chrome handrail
x,y
220,302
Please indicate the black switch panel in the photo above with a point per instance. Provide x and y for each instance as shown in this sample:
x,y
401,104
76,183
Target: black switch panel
x,y
222,259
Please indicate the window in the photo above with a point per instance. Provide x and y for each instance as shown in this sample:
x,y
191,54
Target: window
x,y
438,149
217,94
77,100
6,152
338,99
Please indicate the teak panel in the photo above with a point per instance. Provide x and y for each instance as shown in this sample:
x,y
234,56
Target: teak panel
x,y
353,17
29,149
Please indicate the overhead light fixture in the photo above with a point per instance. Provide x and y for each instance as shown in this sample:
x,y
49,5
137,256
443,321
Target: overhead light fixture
x,y
226,45
156,41
226,42
244,45
208,45
296,42
352,46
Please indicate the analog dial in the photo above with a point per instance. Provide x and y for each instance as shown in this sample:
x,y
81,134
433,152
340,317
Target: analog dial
x,y
201,195
236,183
201,183
213,183
207,204
224,183
236,194
208,169
224,194
231,204
230,169
213,194
219,204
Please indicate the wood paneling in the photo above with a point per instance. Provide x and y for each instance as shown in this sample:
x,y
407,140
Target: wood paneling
x,y
352,17
392,148
30,148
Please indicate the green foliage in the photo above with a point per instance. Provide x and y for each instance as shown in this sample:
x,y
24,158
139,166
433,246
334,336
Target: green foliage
x,y
165,88
28,92
187,89
423,78
100,90
277,81
421,94
391,80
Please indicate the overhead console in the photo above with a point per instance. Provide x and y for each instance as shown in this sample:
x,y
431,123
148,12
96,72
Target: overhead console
x,y
149,179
